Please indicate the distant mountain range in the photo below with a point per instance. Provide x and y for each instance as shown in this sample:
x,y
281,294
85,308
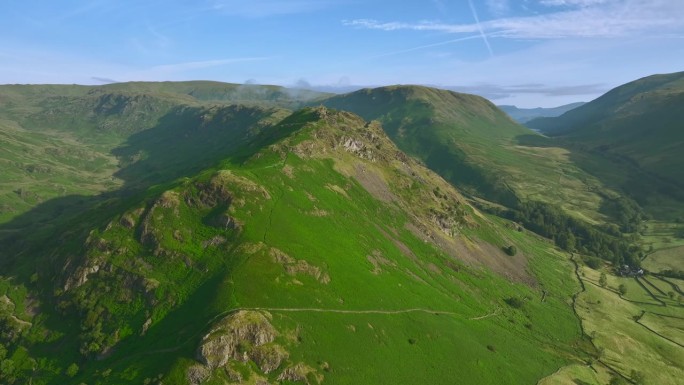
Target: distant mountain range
x,y
524,115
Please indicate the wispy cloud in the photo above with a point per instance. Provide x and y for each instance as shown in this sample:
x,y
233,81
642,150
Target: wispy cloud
x,y
585,18
426,46
420,26
103,80
194,65
150,42
161,39
494,92
266,8
479,27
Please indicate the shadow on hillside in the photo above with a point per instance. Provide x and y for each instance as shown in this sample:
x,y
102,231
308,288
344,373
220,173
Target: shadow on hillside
x,y
183,142
186,141
41,247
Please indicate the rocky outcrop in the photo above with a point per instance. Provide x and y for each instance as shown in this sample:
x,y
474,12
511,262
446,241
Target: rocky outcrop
x,y
294,266
235,337
358,148
196,374
210,194
80,276
378,260
268,357
301,373
244,341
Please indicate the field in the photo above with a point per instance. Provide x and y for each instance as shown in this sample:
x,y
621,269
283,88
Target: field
x,y
579,374
627,327
666,244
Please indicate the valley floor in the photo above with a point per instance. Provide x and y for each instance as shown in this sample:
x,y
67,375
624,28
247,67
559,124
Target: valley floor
x,y
639,335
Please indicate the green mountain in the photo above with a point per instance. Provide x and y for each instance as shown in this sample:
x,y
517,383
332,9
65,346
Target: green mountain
x,y
524,115
188,233
634,128
477,147
457,135
312,250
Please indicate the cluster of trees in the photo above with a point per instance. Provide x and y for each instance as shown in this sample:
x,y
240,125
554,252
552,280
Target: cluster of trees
x,y
572,234
626,213
673,273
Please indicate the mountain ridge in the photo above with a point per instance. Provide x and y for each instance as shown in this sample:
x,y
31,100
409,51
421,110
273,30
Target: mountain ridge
x,y
524,115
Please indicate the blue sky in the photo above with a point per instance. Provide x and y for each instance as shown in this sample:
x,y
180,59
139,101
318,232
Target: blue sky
x,y
527,52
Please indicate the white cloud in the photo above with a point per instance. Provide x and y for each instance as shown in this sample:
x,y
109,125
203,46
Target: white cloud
x,y
618,18
194,65
420,26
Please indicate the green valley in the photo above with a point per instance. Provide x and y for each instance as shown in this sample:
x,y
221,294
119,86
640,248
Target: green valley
x,y
631,138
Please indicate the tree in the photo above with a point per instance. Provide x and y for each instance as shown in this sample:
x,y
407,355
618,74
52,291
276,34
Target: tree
x,y
603,280
622,289
511,250
593,262
72,370
567,241
514,302
8,372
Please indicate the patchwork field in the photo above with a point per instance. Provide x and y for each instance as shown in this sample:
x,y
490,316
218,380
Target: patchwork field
x,y
634,332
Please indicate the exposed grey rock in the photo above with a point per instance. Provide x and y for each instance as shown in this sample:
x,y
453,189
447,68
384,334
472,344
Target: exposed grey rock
x,y
196,374
299,373
268,357
232,335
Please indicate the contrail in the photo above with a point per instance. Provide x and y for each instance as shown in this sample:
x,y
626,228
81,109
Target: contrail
x,y
427,46
479,27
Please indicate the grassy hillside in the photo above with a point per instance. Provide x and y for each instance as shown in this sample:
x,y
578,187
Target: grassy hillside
x,y
475,146
65,140
189,233
303,257
635,132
